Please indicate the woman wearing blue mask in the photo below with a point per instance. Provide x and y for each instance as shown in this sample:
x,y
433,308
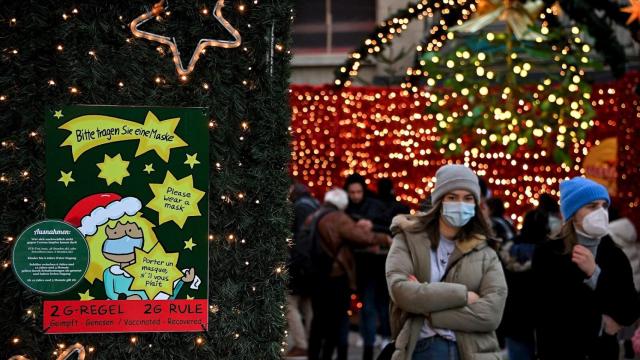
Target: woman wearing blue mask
x,y
446,284
583,282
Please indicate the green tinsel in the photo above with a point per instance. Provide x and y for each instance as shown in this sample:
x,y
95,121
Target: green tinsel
x,y
246,84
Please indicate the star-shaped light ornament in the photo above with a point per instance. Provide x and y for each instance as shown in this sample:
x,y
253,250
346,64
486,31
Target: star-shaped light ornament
x,y
171,41
633,10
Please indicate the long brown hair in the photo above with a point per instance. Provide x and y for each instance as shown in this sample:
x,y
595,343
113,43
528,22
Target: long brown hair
x,y
478,225
568,236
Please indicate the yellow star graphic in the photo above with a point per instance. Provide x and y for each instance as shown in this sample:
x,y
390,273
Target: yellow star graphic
x,y
164,145
189,244
66,178
148,168
85,296
113,169
633,10
191,160
175,200
154,271
58,114
190,297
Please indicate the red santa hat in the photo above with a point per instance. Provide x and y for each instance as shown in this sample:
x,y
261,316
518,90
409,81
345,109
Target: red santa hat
x,y
97,209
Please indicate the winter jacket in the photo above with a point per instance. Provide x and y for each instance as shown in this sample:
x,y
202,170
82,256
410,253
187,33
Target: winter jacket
x,y
518,320
370,209
302,208
338,232
569,313
625,236
473,266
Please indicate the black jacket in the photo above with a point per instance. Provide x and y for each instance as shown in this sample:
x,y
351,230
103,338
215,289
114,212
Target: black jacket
x,y
303,207
370,209
569,313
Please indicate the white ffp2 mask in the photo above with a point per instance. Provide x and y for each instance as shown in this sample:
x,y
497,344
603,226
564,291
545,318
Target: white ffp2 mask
x,y
596,223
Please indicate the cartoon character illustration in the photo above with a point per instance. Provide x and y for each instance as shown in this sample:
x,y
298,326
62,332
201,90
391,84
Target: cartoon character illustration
x,y
114,228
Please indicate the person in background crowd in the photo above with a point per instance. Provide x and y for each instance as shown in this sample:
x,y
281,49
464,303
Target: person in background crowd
x,y
387,196
502,227
582,281
426,205
446,283
363,204
298,299
331,292
493,241
375,291
518,321
624,234
549,205
368,211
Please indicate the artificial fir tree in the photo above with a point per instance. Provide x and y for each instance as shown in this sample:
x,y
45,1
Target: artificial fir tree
x,y
56,53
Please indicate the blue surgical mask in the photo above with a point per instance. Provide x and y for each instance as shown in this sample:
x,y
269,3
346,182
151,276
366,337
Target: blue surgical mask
x,y
121,246
458,214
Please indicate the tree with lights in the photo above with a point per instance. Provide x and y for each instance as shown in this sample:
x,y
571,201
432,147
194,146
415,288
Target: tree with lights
x,y
494,102
483,95
58,53
599,17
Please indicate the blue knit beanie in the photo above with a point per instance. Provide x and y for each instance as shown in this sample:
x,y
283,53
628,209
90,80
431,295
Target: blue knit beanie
x,y
578,192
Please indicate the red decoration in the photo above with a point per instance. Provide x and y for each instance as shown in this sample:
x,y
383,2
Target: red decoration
x,y
384,132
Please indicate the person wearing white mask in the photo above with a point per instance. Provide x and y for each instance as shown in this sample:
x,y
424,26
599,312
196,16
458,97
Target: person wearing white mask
x,y
446,284
583,282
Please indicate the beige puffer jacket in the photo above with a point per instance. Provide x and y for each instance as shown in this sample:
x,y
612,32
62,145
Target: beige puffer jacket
x,y
473,266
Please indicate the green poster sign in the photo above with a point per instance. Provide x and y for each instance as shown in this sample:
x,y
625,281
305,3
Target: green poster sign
x,y
50,257
134,182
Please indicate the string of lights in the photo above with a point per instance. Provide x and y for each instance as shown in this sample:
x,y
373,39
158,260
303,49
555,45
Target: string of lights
x,y
383,133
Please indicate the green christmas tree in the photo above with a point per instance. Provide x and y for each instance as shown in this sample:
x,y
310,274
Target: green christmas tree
x,y
57,53
497,90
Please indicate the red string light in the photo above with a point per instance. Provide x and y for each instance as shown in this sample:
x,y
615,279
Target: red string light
x,y
386,132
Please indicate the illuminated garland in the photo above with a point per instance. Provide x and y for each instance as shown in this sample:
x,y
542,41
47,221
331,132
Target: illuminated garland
x,y
451,14
382,132
596,16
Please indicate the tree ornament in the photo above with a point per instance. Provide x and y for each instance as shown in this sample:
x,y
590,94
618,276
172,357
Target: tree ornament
x,y
171,41
518,16
633,10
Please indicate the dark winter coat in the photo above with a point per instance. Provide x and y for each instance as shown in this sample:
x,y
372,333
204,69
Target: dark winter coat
x,y
569,313
338,233
370,209
518,319
302,208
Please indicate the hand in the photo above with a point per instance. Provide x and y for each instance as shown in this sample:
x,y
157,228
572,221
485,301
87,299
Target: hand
x,y
189,275
582,257
365,224
389,240
611,327
374,249
412,278
472,297
134,297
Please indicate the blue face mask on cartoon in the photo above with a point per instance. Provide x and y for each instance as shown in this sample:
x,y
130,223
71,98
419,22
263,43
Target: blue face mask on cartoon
x,y
121,246
458,214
